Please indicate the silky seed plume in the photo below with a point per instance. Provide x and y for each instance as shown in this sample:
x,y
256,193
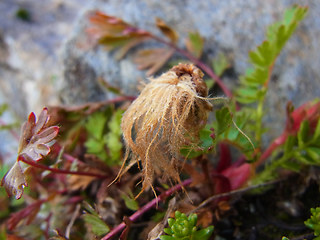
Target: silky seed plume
x,y
167,115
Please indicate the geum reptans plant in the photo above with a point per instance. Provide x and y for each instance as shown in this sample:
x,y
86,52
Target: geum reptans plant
x,y
168,114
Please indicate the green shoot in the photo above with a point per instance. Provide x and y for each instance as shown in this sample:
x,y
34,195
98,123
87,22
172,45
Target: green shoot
x,y
184,228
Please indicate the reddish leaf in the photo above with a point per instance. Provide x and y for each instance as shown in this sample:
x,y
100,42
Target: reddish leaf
x,y
35,136
237,175
27,214
33,145
114,33
225,157
14,181
152,59
166,30
309,111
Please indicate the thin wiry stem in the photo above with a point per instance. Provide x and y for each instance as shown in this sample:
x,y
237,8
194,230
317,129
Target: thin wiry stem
x,y
59,171
228,194
197,62
146,208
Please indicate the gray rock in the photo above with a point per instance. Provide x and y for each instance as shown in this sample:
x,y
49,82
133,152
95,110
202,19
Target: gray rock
x,y
233,27
30,69
46,60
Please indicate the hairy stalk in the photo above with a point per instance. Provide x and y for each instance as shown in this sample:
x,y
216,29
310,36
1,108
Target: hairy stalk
x,y
59,171
147,207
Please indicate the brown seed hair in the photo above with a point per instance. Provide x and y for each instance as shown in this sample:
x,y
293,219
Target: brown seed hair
x,y
166,116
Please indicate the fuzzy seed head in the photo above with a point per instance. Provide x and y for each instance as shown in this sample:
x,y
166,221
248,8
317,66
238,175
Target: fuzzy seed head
x,y
166,116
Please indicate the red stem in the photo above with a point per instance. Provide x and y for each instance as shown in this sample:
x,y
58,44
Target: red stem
x,y
59,171
276,143
196,61
146,208
48,226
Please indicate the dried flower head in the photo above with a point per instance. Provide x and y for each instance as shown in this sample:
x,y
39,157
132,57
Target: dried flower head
x,y
167,115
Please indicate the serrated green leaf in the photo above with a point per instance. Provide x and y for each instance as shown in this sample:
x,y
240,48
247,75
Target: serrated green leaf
x,y
263,56
98,226
220,64
96,124
247,92
245,100
303,133
206,141
94,146
258,75
224,120
113,138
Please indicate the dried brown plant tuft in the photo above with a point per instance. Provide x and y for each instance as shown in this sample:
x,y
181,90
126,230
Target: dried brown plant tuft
x,y
167,115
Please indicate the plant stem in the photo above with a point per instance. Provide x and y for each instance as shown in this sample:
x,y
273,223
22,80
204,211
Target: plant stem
x,y
196,61
59,171
258,129
233,192
276,143
146,208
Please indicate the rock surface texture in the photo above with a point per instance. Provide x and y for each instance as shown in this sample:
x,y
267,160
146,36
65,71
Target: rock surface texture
x,y
46,60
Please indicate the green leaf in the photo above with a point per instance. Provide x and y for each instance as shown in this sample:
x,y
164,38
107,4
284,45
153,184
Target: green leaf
x,y
203,234
96,124
303,133
195,44
166,237
316,133
184,228
206,142
224,120
89,208
113,138
292,165
254,84
220,64
314,221
289,144
263,56
209,83
3,108
131,203
98,226
94,146
250,93
314,154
